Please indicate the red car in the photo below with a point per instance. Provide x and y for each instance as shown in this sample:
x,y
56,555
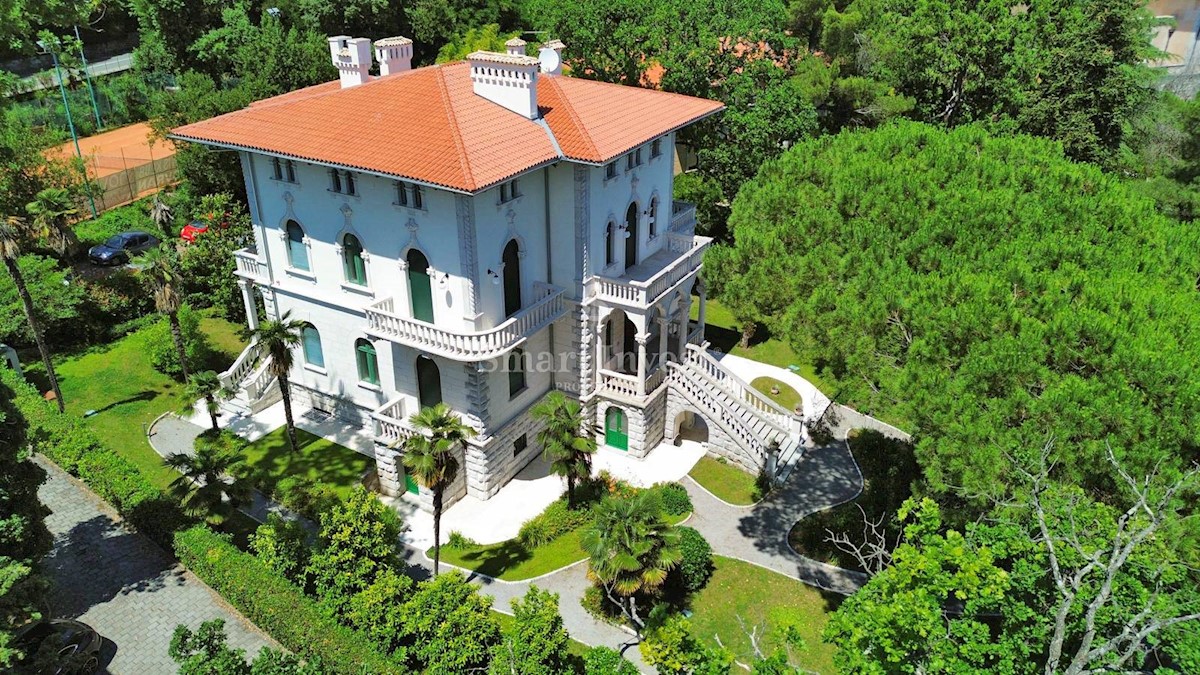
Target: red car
x,y
192,229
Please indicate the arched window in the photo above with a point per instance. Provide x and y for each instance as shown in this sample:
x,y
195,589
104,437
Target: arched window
x,y
652,224
512,278
516,372
610,244
311,340
297,251
429,382
631,235
368,362
352,260
419,289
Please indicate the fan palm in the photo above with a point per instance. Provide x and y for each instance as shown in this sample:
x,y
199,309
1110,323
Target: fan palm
x,y
50,213
277,339
206,385
160,268
630,549
431,457
10,249
208,480
565,439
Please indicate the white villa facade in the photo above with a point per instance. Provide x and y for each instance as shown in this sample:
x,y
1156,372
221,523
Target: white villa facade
x,y
480,234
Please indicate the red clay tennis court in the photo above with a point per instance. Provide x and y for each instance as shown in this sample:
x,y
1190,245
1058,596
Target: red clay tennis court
x,y
125,162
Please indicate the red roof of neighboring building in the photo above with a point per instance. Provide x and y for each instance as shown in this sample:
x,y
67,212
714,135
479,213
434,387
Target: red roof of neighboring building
x,y
429,125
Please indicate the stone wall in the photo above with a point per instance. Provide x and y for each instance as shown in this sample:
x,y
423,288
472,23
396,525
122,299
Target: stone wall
x,y
720,443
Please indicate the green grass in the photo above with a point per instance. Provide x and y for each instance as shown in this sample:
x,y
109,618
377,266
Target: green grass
x,y
724,333
511,561
788,398
726,481
268,460
764,599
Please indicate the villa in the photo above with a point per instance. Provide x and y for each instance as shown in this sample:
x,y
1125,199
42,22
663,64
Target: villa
x,y
480,233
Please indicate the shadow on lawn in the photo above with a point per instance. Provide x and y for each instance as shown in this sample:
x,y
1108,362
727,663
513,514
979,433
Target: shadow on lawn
x,y
725,339
141,396
493,561
269,460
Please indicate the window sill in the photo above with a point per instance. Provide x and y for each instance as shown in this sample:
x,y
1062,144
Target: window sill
x,y
360,290
315,369
303,274
369,387
410,207
511,201
512,396
335,193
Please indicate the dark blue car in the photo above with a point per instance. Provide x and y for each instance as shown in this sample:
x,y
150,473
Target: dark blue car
x,y
121,247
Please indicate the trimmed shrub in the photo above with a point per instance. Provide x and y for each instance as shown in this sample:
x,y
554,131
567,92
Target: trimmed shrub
x,y
557,520
606,661
160,344
282,545
696,565
276,605
306,496
461,542
674,498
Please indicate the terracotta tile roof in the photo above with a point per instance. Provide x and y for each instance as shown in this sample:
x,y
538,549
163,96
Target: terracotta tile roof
x,y
428,125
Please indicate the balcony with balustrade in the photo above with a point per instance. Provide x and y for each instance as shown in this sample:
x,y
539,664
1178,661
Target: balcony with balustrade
x,y
250,265
643,284
384,320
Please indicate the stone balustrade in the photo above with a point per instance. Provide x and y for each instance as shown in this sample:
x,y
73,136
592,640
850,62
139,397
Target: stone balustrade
x,y
391,421
683,218
250,265
613,383
461,344
688,255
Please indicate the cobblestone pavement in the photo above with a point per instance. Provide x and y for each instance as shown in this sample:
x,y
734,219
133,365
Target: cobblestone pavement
x,y
124,585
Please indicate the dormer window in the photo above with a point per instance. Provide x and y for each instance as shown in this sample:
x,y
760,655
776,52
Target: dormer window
x,y
610,170
655,148
342,182
509,191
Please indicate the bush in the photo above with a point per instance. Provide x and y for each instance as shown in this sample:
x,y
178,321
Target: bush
x,y
557,520
696,565
306,496
379,611
450,626
114,303
282,545
359,540
461,542
160,344
58,303
674,498
208,265
276,605
606,661
134,216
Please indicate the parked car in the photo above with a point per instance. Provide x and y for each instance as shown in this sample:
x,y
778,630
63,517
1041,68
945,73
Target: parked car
x,y
191,230
58,647
121,247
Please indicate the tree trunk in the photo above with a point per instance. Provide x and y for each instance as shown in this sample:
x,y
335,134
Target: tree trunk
x,y
570,492
36,328
285,393
748,330
437,528
177,335
212,406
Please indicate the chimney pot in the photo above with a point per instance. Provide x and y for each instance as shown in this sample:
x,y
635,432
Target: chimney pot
x,y
515,47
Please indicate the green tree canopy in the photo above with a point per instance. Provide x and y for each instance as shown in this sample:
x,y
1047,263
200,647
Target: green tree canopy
x,y
985,293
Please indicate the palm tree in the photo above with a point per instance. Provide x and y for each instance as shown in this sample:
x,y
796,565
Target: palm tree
x,y
430,456
630,549
565,439
10,250
159,267
206,385
51,211
278,338
160,213
208,479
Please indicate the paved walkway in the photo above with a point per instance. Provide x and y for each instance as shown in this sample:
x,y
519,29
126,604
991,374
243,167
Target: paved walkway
x,y
124,585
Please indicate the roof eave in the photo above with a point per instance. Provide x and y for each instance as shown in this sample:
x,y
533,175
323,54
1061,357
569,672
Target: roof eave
x,y
677,127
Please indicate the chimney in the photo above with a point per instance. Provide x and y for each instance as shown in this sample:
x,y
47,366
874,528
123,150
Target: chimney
x,y
352,58
394,55
509,80
515,47
551,57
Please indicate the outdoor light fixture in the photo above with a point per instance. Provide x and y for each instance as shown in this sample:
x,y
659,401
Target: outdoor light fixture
x,y
495,277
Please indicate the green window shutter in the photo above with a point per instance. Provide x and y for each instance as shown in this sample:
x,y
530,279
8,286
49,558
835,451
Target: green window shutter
x,y
352,260
368,362
422,295
312,347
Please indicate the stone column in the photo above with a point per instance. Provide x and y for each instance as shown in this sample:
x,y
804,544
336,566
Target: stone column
x,y
400,301
663,338
703,296
641,374
390,470
248,300
587,364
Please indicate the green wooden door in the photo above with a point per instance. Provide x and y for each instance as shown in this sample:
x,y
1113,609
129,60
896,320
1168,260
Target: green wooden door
x,y
615,433
422,295
410,484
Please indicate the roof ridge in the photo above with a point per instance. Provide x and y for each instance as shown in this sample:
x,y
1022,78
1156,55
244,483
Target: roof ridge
x,y
583,131
455,132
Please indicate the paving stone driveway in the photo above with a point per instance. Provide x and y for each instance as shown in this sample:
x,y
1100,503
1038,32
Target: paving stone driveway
x,y
123,585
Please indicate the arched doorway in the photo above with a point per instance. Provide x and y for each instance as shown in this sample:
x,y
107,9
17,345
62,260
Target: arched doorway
x,y
420,291
429,382
512,278
616,430
631,236
690,426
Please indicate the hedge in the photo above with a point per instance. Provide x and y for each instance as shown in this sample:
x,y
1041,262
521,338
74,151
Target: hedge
x,y
276,605
68,442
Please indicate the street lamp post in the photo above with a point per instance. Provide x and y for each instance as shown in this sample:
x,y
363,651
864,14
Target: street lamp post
x,y
87,76
62,89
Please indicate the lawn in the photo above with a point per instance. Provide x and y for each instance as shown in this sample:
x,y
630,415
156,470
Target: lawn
x,y
763,599
788,398
723,332
726,481
268,460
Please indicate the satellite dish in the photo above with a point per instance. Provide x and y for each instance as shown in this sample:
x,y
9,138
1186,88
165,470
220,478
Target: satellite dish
x,y
549,59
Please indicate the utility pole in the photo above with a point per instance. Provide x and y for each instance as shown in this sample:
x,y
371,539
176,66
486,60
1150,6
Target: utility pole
x,y
62,89
87,76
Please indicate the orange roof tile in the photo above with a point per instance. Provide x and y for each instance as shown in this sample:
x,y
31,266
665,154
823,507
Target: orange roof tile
x,y
428,125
